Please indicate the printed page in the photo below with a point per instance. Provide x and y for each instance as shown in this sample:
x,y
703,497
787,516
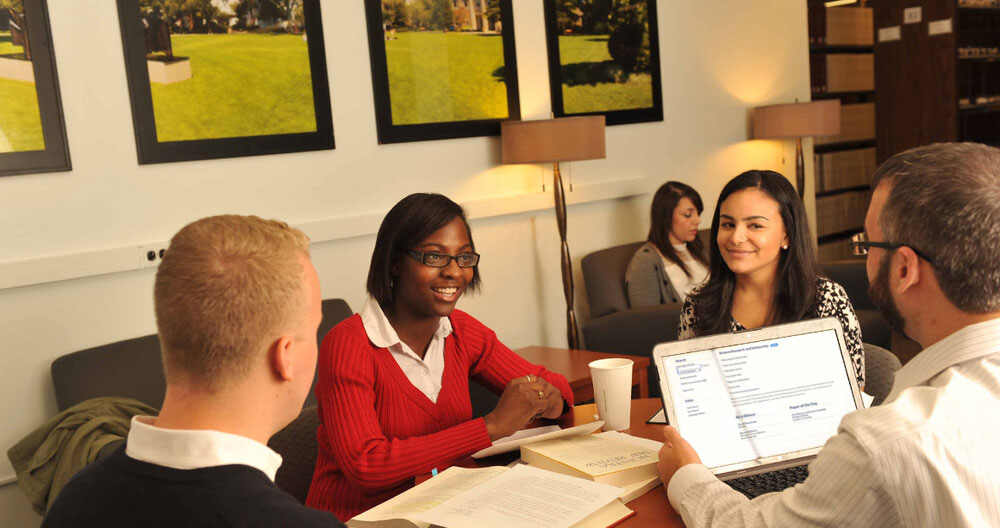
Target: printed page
x,y
431,493
596,454
526,497
740,403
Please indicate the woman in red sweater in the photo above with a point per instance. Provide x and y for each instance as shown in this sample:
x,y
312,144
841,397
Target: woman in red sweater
x,y
393,386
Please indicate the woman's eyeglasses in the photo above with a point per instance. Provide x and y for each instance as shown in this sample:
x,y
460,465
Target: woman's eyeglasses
x,y
860,244
440,260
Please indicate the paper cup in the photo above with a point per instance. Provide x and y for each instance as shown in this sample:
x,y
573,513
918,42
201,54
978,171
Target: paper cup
x,y
612,380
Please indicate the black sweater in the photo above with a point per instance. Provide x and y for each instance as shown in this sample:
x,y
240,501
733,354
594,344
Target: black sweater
x,y
118,491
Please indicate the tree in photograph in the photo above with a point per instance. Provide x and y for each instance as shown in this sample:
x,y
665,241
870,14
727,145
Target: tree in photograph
x,y
187,16
247,12
431,14
493,11
442,14
394,13
589,17
629,40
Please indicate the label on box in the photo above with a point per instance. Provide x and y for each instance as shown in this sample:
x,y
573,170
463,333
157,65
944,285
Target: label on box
x,y
939,27
912,15
888,34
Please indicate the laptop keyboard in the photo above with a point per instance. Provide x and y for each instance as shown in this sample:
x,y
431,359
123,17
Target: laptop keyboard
x,y
754,485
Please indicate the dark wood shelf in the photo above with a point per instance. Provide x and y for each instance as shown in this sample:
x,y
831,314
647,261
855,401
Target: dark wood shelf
x,y
843,145
980,58
838,95
843,190
841,48
983,108
846,235
974,9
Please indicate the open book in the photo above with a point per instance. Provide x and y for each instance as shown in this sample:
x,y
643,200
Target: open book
x,y
499,497
618,460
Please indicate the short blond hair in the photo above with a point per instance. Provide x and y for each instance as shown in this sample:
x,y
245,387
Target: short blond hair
x,y
226,286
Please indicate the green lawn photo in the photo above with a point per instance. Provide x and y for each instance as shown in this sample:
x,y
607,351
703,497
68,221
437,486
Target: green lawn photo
x,y
588,83
437,76
241,85
20,122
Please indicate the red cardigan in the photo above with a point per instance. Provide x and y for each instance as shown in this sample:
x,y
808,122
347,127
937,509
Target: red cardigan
x,y
377,431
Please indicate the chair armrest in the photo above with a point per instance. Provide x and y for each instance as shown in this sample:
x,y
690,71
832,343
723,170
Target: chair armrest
x,y
633,332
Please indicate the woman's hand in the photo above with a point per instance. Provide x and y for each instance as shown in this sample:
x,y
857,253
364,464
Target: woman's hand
x,y
524,399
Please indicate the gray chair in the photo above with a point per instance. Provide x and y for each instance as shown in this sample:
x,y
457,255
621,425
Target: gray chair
x,y
132,368
853,276
614,327
297,445
880,371
129,368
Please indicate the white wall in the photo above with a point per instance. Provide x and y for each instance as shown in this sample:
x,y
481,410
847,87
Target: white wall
x,y
718,60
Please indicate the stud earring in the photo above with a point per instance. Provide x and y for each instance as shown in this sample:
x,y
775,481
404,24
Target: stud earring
x,y
784,246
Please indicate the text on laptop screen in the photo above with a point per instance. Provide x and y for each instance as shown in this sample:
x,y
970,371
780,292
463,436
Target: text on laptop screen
x,y
745,402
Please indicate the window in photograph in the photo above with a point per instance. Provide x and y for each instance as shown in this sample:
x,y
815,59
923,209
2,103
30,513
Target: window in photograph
x,y
442,68
32,134
604,59
224,78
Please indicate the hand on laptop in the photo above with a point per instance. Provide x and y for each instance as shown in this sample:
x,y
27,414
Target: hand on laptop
x,y
675,453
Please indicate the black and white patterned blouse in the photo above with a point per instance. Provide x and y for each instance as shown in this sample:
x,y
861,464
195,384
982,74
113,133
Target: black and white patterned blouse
x,y
833,301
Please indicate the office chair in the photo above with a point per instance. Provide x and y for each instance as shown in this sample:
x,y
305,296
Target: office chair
x,y
296,444
133,369
880,371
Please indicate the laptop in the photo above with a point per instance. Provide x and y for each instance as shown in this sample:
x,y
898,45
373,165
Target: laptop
x,y
758,405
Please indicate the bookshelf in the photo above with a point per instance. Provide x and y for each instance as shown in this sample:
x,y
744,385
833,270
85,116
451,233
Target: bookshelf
x,y
841,64
948,64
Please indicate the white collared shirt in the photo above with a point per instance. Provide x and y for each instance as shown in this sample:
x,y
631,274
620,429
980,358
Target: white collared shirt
x,y
425,374
194,449
926,457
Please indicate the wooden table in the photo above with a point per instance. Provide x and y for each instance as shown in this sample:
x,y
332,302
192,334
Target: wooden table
x,y
652,509
574,365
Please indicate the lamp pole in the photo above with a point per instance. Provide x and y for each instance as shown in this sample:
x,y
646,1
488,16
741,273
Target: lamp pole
x,y
572,335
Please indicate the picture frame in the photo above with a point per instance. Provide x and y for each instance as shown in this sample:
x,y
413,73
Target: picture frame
x,y
439,80
586,77
32,129
255,82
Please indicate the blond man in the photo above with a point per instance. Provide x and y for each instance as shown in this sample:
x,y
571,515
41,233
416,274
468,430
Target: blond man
x,y
237,307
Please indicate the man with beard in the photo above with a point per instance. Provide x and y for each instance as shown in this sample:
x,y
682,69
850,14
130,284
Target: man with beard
x,y
928,456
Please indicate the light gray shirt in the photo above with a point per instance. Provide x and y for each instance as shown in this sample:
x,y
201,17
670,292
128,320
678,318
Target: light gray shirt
x,y
927,457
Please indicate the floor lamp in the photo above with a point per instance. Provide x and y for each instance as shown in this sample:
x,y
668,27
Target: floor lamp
x,y
797,120
552,141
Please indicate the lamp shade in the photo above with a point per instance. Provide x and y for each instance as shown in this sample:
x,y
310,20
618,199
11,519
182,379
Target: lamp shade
x,y
794,120
553,140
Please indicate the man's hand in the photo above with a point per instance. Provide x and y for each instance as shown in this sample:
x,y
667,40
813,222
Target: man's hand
x,y
675,453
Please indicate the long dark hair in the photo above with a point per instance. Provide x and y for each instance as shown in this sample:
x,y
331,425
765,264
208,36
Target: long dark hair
x,y
795,281
662,219
406,225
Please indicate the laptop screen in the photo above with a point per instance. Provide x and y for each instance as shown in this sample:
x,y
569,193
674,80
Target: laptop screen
x,y
742,403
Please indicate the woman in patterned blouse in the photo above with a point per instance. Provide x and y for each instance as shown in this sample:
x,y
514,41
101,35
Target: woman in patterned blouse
x,y
762,268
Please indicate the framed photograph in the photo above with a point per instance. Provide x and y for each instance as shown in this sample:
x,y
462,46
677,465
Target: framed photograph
x,y
225,78
442,68
32,132
604,58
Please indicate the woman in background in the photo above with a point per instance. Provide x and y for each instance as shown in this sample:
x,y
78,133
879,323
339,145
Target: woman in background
x,y
393,381
762,268
672,262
